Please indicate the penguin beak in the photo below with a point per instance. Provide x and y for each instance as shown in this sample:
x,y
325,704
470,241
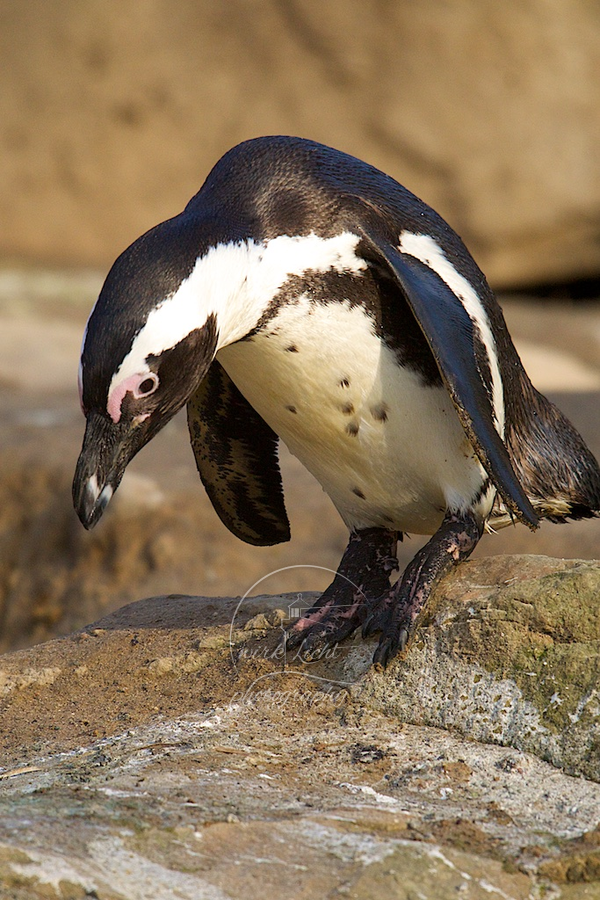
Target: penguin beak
x,y
106,451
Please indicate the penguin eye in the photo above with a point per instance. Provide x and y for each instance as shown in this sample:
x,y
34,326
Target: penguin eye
x,y
146,386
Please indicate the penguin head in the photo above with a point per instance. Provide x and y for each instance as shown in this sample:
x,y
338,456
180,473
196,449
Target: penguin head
x,y
145,351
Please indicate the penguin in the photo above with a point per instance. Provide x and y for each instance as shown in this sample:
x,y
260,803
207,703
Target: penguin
x,y
304,296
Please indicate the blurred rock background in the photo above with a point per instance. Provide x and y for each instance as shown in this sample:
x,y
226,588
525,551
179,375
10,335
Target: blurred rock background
x,y
111,115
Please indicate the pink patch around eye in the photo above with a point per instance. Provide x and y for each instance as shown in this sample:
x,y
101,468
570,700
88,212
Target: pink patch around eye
x,y
115,399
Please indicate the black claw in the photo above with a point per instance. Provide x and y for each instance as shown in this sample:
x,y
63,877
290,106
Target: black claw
x,y
312,644
295,638
312,641
369,626
390,645
292,641
382,654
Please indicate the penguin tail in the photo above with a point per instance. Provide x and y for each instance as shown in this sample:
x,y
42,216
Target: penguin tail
x,y
559,473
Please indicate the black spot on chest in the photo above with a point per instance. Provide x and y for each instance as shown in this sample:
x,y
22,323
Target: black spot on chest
x,y
392,318
380,412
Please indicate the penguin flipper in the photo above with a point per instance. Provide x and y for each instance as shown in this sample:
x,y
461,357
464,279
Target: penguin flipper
x,y
236,457
450,333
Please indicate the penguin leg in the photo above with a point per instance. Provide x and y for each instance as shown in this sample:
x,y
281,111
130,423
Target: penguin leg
x,y
397,611
362,577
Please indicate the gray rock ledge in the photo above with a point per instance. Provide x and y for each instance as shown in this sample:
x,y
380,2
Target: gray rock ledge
x,y
170,751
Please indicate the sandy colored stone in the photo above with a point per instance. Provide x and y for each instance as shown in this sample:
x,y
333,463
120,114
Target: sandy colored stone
x,y
263,798
508,654
198,761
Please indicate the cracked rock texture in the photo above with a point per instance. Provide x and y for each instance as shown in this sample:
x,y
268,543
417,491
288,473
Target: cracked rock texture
x,y
172,750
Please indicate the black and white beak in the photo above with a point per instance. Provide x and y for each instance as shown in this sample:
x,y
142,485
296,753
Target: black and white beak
x,y
107,449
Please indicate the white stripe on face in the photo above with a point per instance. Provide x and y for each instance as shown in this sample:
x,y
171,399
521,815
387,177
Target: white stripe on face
x,y
235,282
424,248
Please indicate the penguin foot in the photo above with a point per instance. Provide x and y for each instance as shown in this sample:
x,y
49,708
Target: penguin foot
x,y
396,613
363,575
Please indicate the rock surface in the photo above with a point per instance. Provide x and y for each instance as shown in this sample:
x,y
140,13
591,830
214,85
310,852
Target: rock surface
x,y
512,657
112,114
197,762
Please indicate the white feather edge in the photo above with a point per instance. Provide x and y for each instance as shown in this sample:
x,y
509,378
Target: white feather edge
x,y
235,282
424,248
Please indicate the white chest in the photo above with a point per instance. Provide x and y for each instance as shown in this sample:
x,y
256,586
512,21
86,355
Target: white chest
x,y
389,451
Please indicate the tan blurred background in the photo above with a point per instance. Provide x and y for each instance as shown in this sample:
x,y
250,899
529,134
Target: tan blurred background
x,y
111,115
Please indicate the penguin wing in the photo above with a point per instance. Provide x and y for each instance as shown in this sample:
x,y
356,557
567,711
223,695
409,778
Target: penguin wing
x,y
450,333
236,456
